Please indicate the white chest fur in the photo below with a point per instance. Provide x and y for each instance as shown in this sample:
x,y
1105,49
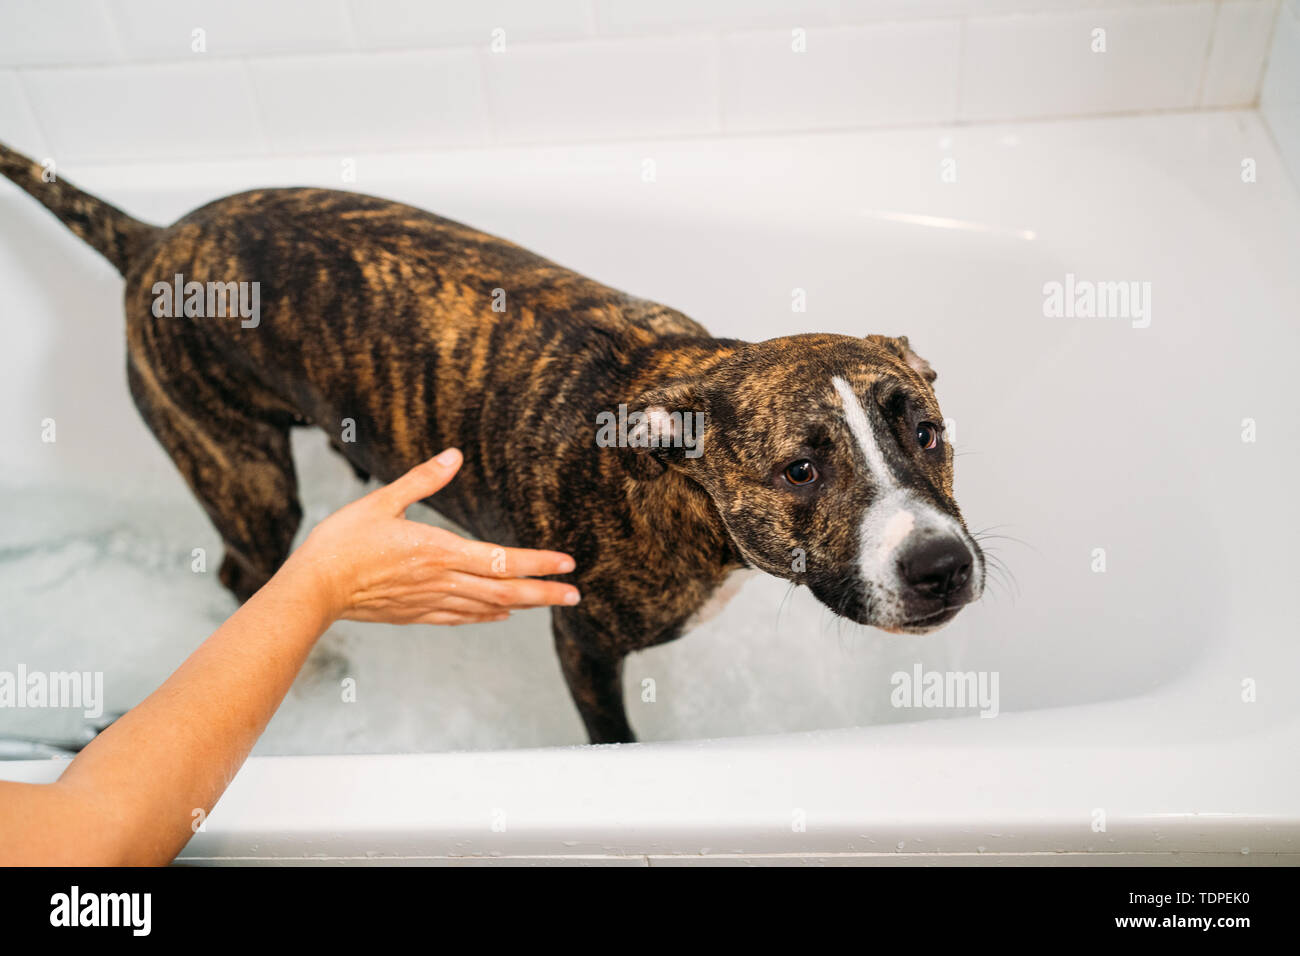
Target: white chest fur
x,y
719,599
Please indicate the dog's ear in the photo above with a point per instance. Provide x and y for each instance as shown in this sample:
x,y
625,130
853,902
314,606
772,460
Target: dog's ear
x,y
664,427
900,347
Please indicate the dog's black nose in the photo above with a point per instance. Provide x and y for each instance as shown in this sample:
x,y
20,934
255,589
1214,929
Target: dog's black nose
x,y
936,567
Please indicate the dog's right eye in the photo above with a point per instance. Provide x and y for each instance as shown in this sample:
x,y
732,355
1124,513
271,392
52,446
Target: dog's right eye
x,y
927,435
801,472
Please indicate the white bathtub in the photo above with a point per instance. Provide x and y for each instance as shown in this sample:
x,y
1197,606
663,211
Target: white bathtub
x,y
1122,732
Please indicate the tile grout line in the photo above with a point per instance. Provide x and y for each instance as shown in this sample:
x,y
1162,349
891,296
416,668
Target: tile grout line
x,y
1279,11
25,98
1198,98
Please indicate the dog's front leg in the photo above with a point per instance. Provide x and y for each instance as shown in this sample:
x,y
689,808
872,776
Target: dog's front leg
x,y
594,675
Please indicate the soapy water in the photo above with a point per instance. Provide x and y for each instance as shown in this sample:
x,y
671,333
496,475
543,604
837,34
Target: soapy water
x,y
93,581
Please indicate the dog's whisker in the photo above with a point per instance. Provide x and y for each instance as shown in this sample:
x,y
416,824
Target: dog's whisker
x,y
1000,572
780,608
987,535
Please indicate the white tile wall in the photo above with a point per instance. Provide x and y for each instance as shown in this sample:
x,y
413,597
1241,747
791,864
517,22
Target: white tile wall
x,y
116,80
613,89
1279,100
404,100
17,121
906,9
1045,65
75,31
394,24
168,110
886,73
635,16
1236,62
165,29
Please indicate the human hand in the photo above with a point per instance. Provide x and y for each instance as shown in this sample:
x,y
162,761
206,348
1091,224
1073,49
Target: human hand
x,y
374,565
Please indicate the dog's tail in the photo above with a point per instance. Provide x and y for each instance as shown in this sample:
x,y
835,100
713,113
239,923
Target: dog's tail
x,y
113,234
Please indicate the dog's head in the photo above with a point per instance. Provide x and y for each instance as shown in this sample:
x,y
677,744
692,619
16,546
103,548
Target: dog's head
x,y
825,457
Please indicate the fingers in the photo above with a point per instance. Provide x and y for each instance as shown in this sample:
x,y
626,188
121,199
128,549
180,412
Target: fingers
x,y
455,609
512,592
494,561
480,581
473,607
420,482
453,619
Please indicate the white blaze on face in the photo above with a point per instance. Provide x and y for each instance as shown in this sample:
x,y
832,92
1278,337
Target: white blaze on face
x,y
860,425
898,527
894,516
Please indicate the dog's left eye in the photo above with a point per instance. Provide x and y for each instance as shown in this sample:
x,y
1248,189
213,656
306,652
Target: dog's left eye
x,y
927,435
801,472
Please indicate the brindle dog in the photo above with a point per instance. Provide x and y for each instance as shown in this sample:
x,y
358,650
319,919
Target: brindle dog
x,y
821,459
